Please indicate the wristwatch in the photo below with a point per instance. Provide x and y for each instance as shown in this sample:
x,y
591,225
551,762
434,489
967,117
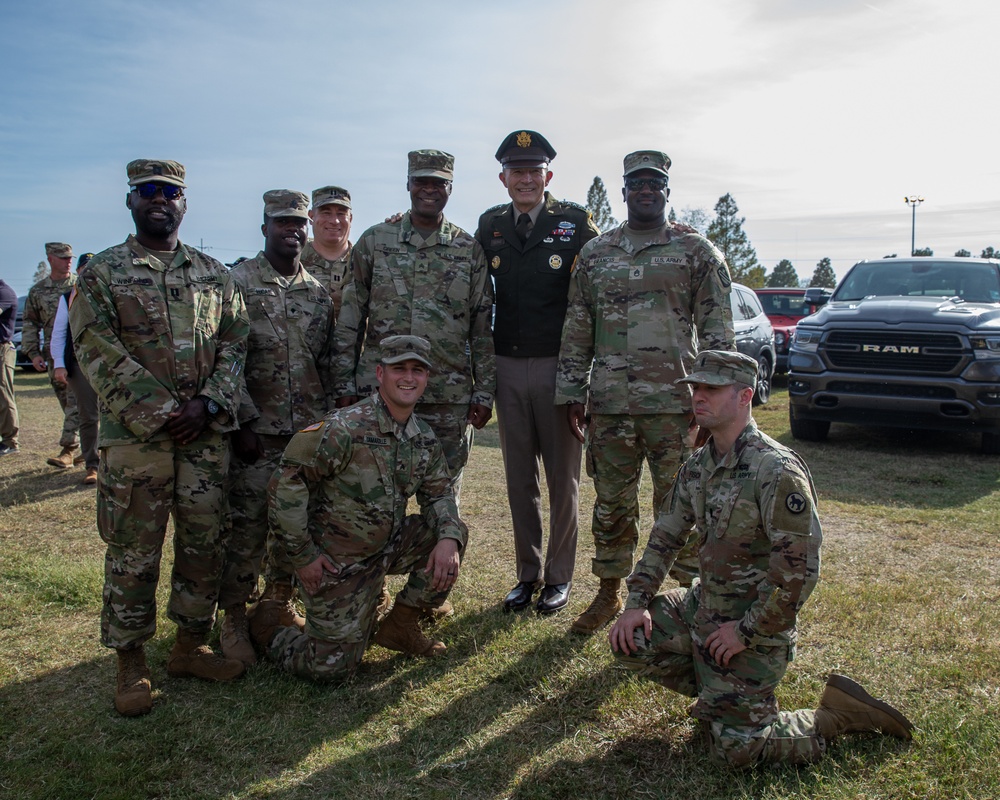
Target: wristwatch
x,y
210,405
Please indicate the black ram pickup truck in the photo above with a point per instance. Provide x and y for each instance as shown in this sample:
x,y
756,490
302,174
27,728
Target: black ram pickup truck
x,y
902,342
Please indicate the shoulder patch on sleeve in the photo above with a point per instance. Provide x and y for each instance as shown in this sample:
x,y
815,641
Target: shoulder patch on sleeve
x,y
577,206
792,504
491,209
304,446
314,427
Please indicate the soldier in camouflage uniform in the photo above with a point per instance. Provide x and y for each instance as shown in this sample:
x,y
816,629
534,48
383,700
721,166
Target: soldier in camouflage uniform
x,y
327,256
531,245
8,403
644,298
160,330
39,315
727,639
338,502
426,277
286,386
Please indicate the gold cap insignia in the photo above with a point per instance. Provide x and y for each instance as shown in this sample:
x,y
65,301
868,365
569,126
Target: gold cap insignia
x,y
524,139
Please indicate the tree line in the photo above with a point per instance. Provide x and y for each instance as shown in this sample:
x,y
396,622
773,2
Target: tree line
x,y
725,230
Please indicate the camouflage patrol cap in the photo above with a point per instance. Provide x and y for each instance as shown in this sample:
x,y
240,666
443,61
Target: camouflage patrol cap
x,y
330,195
395,349
722,368
431,164
285,203
525,149
145,170
646,159
58,249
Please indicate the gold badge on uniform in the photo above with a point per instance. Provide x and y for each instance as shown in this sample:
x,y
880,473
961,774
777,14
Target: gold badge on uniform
x,y
555,262
524,139
495,262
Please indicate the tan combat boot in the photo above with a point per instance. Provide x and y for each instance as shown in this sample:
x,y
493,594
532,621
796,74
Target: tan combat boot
x,y
133,695
604,608
400,630
437,613
282,594
846,707
64,460
235,636
191,657
91,477
384,604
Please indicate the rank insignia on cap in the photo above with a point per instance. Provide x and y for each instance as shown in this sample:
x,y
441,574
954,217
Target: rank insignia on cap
x,y
495,262
555,262
524,139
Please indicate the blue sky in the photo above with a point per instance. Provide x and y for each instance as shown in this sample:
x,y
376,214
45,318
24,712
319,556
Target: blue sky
x,y
817,115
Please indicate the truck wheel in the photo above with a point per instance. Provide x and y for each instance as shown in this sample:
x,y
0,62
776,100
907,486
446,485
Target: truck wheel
x,y
808,430
764,374
991,444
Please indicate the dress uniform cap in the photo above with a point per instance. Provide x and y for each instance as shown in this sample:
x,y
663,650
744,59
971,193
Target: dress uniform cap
x,y
722,368
395,349
285,203
331,195
647,159
58,249
84,260
145,170
525,149
431,164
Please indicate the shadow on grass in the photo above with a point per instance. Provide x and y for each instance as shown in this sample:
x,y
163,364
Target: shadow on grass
x,y
25,482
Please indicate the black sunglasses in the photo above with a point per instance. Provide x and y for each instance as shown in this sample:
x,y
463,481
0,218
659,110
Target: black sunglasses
x,y
148,190
636,184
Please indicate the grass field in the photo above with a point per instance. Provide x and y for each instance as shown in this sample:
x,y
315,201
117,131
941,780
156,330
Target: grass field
x,y
907,604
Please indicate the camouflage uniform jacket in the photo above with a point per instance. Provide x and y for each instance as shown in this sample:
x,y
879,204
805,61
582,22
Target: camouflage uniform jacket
x,y
152,336
440,290
640,317
759,538
532,278
286,384
332,274
343,484
40,314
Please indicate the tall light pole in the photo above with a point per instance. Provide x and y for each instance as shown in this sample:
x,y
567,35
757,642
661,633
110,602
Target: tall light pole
x,y
913,201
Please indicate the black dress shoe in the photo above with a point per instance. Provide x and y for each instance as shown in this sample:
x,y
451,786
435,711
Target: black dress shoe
x,y
520,595
553,597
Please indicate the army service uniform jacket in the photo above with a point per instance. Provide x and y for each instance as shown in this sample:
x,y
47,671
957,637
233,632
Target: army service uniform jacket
x,y
759,536
40,315
151,336
343,484
287,382
531,280
639,318
439,290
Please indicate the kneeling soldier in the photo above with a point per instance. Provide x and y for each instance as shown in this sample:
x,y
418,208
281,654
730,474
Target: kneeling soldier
x,y
338,504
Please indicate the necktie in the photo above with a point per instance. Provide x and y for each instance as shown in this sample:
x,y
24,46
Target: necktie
x,y
521,228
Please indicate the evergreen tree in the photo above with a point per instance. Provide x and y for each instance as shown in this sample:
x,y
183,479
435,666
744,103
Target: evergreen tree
x,y
923,251
41,272
963,253
784,274
726,232
600,208
697,218
824,276
989,252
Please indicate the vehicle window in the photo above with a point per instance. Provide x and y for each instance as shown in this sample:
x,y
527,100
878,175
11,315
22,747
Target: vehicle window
x,y
787,305
742,309
978,283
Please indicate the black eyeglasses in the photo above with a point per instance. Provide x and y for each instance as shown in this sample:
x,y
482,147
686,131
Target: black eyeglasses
x,y
637,184
148,190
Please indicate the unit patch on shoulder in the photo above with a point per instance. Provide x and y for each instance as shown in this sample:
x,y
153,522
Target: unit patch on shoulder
x,y
795,503
724,276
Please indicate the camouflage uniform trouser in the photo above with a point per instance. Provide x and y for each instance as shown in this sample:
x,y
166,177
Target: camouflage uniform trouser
x,y
8,408
139,485
71,419
451,427
247,531
737,702
617,445
340,617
